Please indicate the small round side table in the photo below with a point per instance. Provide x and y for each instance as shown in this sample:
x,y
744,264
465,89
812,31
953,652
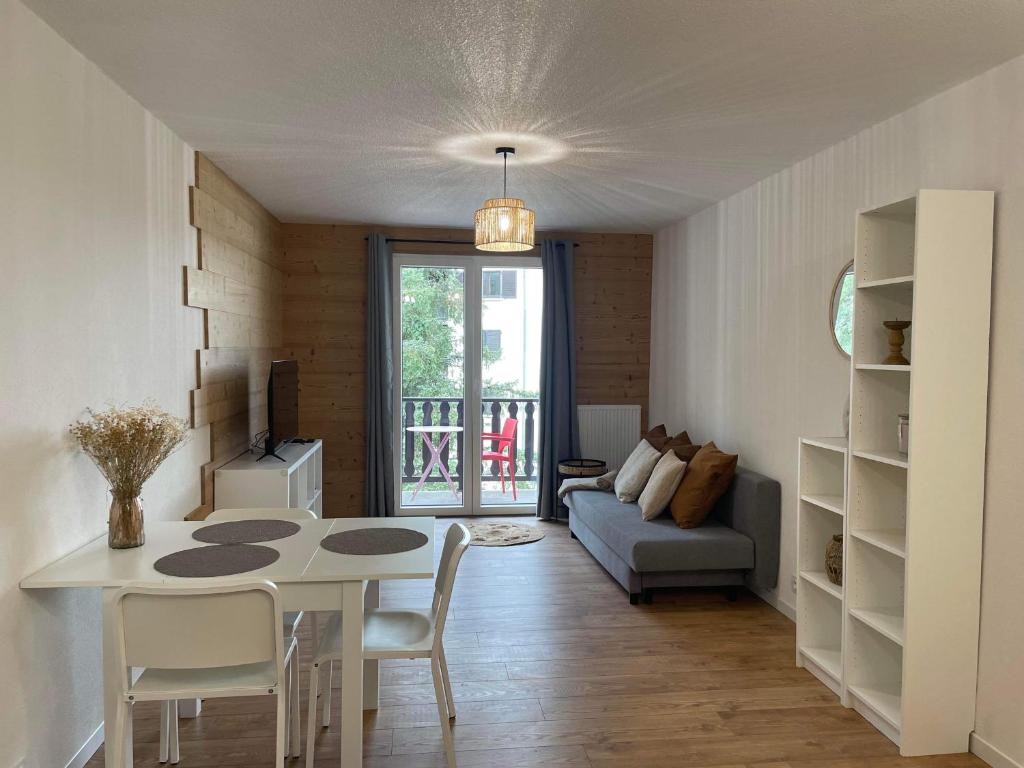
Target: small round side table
x,y
571,468
580,468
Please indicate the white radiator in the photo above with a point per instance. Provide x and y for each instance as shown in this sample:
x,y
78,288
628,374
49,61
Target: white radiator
x,y
609,432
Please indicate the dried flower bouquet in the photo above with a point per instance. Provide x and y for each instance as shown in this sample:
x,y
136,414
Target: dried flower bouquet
x,y
128,445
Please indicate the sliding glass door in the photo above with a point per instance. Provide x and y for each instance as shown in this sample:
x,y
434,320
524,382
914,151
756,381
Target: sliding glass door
x,y
467,356
509,383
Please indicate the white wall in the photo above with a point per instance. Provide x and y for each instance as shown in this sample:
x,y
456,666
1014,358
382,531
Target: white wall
x,y
94,216
741,351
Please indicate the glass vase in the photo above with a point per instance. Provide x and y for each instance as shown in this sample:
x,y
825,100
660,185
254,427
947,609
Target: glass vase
x,y
126,524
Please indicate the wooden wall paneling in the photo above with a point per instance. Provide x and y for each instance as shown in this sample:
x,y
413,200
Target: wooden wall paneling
x,y
325,305
613,319
239,287
325,329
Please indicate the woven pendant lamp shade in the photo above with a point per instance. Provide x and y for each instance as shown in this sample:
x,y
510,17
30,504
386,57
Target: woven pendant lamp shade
x,y
503,225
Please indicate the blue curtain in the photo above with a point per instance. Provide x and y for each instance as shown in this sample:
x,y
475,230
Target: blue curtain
x,y
380,378
559,427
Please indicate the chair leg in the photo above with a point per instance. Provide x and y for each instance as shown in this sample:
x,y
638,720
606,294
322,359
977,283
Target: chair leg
x,y
314,684
294,722
314,629
512,475
446,679
174,743
165,728
282,721
325,719
129,735
286,685
118,740
442,712
501,471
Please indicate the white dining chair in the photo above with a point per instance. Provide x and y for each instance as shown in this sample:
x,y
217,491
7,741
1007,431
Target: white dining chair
x,y
205,641
170,750
292,619
404,635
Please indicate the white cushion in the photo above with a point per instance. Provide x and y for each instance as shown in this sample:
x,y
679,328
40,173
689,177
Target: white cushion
x,y
660,489
633,476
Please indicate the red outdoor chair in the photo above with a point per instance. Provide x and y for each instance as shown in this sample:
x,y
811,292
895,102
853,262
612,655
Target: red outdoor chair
x,y
503,453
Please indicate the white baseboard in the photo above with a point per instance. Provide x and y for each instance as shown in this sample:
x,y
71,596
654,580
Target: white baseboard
x,y
88,749
990,754
786,610
772,598
95,741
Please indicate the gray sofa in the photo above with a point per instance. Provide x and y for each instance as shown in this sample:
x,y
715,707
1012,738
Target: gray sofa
x,y
737,545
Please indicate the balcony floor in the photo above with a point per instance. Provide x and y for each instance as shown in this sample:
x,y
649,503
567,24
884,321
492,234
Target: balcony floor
x,y
489,498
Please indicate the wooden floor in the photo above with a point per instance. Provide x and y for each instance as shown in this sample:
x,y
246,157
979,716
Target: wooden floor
x,y
552,667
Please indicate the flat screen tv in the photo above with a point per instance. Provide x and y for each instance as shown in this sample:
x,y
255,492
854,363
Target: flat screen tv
x,y
282,405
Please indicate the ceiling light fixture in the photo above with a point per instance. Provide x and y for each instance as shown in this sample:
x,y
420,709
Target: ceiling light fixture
x,y
504,224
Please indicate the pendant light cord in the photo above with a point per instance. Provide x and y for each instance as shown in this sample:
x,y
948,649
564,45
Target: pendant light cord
x,y
504,152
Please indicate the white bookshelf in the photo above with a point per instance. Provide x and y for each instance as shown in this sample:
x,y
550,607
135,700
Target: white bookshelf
x,y
820,516
251,481
913,522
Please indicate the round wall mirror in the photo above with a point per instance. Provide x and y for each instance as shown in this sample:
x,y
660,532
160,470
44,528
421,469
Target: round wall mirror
x,y
840,315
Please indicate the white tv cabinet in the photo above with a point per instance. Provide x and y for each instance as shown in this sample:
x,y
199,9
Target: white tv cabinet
x,y
296,482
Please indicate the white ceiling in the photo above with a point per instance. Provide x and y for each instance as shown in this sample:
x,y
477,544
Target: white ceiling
x,y
628,114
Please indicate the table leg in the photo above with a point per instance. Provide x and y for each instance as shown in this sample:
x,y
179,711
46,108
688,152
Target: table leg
x,y
110,682
444,470
434,458
371,667
351,674
189,707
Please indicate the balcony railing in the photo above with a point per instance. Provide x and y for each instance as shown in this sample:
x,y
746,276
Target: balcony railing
x,y
419,411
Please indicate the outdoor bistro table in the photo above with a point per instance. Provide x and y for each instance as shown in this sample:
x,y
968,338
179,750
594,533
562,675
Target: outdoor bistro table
x,y
435,453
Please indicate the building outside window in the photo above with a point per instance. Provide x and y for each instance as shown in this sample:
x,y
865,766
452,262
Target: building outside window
x,y
491,341
500,283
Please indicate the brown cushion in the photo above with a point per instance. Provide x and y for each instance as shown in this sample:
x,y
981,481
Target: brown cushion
x,y
656,436
659,438
682,446
708,475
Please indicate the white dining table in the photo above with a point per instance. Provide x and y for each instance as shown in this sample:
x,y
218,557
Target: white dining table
x,y
308,577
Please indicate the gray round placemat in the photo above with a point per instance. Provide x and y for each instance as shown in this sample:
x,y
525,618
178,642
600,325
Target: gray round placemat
x,y
374,541
246,531
218,560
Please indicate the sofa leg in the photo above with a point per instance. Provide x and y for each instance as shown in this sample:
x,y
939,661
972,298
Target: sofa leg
x,y
634,598
648,596
572,535
732,593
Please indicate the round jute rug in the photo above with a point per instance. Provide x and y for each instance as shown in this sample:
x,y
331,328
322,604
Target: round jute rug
x,y
503,534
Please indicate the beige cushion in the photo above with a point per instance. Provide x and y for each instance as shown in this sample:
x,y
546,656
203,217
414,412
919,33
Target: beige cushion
x,y
632,478
658,492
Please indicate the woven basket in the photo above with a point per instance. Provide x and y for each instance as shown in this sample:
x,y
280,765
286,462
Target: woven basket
x,y
582,468
834,560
